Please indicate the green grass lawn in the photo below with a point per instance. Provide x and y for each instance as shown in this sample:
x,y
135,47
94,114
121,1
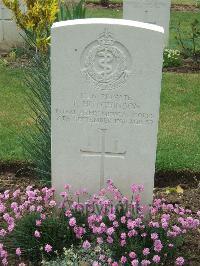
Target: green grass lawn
x,y
13,113
179,130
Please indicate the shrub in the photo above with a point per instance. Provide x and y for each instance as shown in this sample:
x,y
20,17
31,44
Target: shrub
x,y
54,230
172,58
189,42
106,228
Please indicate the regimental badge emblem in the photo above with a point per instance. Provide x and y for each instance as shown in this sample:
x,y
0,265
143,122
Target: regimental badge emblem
x,y
106,63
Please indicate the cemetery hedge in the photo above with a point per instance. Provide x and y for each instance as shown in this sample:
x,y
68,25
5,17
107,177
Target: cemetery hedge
x,y
178,140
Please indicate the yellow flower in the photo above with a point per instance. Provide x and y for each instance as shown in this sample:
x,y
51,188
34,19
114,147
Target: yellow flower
x,y
38,17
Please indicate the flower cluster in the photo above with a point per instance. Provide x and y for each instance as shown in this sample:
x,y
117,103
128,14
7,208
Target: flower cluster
x,y
125,231
171,58
16,205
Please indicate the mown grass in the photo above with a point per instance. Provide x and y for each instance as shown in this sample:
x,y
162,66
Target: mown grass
x,y
13,113
179,129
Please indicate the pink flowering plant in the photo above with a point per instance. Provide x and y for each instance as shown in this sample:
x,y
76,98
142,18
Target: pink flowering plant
x,y
35,227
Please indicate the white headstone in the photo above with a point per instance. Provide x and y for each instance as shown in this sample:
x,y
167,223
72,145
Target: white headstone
x,y
106,81
10,34
149,11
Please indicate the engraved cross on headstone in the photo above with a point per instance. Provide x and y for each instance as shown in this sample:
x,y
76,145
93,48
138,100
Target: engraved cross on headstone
x,y
103,153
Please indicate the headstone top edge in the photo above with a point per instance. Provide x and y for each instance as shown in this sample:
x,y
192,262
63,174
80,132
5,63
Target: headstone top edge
x,y
109,21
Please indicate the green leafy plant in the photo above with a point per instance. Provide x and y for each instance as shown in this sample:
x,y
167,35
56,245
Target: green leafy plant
x,y
171,58
73,11
37,140
190,42
198,3
54,230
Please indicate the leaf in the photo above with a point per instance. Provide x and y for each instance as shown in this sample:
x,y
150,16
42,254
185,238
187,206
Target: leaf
x,y
179,189
170,190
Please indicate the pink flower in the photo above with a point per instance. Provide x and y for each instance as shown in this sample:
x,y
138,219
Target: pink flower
x,y
145,262
111,217
158,245
72,221
52,203
123,236
123,242
38,222
18,252
123,219
99,240
48,248
110,231
154,236
146,251
37,234
68,213
134,262
123,259
86,244
109,240
4,261
2,232
132,255
180,261
156,259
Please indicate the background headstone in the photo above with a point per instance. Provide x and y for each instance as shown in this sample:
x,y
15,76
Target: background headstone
x,y
10,34
106,80
149,11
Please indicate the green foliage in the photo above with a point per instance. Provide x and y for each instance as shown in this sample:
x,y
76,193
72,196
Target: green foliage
x,y
79,256
37,140
190,42
54,231
76,11
172,58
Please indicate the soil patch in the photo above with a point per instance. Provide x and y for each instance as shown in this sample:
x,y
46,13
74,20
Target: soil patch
x,y
185,8
174,7
188,66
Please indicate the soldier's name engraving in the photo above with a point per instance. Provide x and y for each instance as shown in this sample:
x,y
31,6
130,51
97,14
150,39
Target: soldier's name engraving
x,y
116,109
